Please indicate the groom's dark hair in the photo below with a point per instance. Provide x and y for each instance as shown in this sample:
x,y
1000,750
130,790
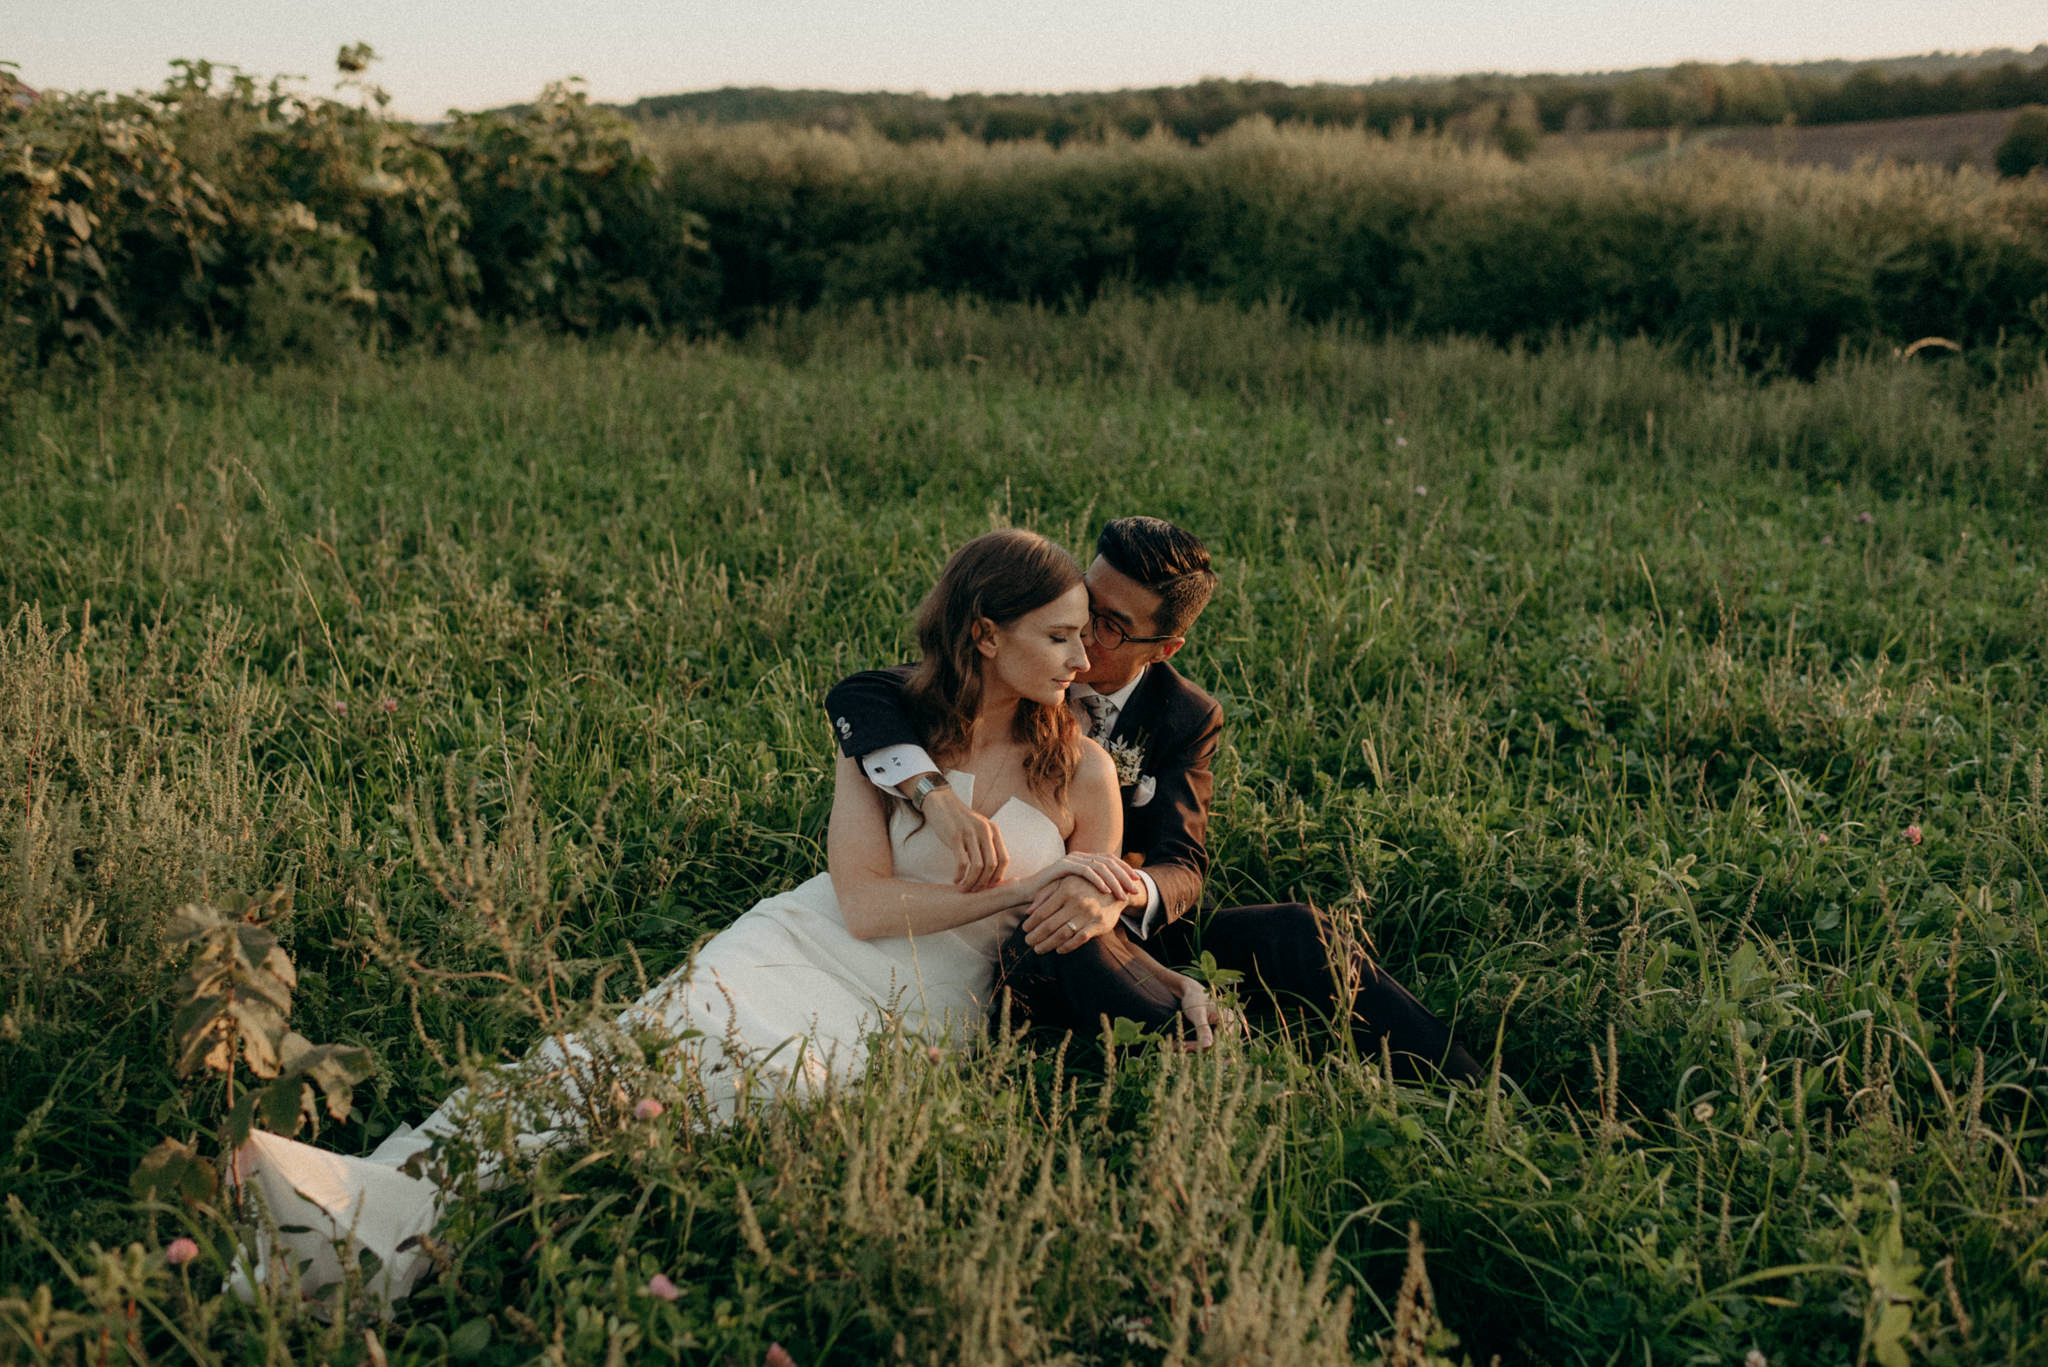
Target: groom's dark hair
x,y
1169,560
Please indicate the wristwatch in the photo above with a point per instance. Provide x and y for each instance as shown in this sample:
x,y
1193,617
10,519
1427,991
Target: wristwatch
x,y
925,786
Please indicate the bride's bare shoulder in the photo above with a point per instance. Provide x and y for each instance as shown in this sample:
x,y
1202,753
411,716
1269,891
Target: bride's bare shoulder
x,y
1096,767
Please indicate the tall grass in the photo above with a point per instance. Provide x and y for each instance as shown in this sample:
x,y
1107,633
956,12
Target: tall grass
x,y
1600,691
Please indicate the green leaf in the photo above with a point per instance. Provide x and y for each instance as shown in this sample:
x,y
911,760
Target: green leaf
x,y
242,1119
284,1105
471,1339
202,1034
174,1168
1124,1032
336,1068
262,1031
293,1051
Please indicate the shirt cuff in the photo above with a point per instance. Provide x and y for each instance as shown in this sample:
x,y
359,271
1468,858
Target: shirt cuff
x,y
1142,926
893,764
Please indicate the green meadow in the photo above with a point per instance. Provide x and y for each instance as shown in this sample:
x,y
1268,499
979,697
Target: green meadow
x,y
1677,728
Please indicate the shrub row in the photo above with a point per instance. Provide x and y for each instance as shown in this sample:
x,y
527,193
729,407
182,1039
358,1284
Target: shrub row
x,y
1776,264
225,209
245,214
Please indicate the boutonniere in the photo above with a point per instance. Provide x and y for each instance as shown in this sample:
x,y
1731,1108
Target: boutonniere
x,y
1130,760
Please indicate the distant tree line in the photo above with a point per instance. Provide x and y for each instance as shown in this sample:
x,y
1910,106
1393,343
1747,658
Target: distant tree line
x,y
1695,94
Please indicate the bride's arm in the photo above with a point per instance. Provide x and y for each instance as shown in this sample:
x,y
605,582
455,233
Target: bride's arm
x,y
1092,798
1068,915
1099,826
876,903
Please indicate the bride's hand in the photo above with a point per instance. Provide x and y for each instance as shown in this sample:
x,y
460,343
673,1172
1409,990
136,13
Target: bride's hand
x,y
1111,876
979,858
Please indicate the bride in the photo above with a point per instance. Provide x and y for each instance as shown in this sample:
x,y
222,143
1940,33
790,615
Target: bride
x,y
786,998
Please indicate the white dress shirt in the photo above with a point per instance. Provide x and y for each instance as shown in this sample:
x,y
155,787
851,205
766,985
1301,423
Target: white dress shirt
x,y
897,764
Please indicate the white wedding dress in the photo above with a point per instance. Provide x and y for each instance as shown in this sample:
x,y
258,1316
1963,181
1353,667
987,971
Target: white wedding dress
x,y
786,982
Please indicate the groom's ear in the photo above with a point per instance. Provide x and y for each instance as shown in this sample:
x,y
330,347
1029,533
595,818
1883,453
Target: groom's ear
x,y
985,637
1168,649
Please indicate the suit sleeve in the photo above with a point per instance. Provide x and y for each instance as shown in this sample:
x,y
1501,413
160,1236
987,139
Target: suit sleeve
x,y
1171,830
868,712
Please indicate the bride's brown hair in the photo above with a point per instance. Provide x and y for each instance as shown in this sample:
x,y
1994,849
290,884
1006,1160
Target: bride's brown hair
x,y
997,577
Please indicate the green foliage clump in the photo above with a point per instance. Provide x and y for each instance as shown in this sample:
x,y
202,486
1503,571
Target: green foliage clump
x,y
2025,148
566,221
1767,264
253,215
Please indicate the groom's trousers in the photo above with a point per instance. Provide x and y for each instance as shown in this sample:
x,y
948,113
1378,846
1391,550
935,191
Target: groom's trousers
x,y
1291,972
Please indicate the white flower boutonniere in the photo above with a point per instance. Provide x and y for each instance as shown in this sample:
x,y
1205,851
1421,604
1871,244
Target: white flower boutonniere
x,y
1130,759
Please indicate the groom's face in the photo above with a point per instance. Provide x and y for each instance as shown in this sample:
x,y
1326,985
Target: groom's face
x,y
1116,598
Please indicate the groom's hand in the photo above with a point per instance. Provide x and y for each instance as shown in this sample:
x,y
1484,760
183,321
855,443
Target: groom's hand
x,y
1070,913
979,859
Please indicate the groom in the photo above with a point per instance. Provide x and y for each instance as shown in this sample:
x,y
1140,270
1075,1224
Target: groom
x,y
1147,584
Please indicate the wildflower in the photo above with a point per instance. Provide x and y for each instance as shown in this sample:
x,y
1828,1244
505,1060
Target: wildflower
x,y
1827,540
1755,1358
1421,490
1703,1111
1822,837
660,1286
934,1053
1913,835
1388,421
180,1251
389,705
647,1108
778,1356
1866,518
1400,441
340,708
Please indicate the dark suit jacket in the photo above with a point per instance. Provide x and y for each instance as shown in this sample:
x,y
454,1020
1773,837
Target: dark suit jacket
x,y
1174,725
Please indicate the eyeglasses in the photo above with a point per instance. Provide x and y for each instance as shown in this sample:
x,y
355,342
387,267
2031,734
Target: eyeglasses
x,y
1110,634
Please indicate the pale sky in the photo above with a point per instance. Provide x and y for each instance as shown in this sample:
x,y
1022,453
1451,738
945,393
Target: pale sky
x,y
438,54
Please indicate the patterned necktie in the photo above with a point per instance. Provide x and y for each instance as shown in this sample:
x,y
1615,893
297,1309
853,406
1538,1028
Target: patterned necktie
x,y
1097,708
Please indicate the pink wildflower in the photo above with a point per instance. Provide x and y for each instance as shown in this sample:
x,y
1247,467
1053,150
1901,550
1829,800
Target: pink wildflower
x,y
1866,518
647,1108
389,705
659,1285
1822,837
180,1251
1400,441
1913,835
340,708
1827,541
778,1356
934,1053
